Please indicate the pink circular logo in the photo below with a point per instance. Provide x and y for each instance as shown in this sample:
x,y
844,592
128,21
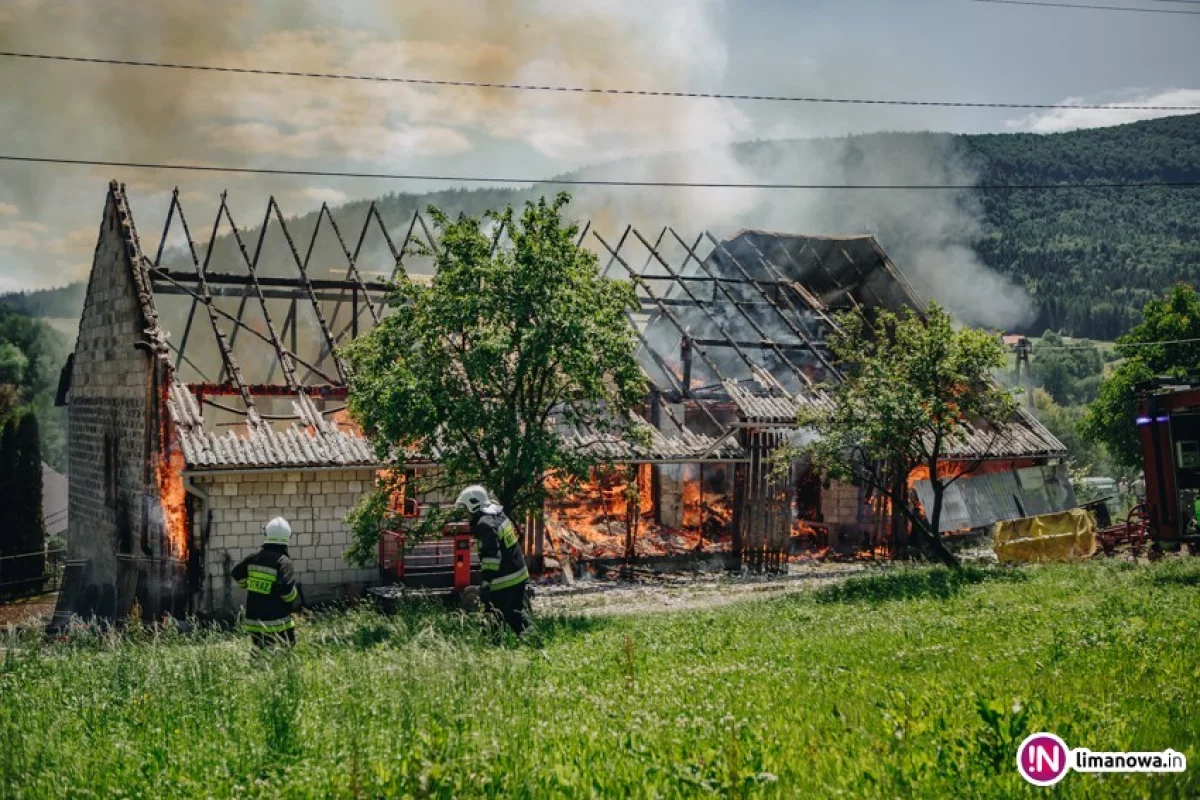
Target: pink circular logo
x,y
1042,759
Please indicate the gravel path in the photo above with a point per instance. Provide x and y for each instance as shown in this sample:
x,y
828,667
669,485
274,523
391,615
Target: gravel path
x,y
685,592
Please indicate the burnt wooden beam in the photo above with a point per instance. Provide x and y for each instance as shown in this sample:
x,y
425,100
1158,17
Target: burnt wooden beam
x,y
214,310
799,332
218,281
763,345
324,392
306,282
654,354
712,319
762,334
227,359
163,286
286,362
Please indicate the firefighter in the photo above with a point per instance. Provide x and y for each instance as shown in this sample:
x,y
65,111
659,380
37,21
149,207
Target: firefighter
x,y
500,560
270,585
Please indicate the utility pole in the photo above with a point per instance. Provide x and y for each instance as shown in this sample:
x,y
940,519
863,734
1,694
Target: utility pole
x,y
1023,349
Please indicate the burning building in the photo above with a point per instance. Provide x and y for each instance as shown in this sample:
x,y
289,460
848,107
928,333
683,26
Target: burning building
x,y
206,394
733,342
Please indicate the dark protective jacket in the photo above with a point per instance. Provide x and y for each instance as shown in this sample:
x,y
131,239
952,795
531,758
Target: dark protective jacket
x,y
270,585
500,558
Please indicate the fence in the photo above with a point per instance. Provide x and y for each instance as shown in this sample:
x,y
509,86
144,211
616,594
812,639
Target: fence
x,y
31,573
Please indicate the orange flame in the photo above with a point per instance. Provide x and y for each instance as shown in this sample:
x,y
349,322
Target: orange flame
x,y
171,494
946,470
595,518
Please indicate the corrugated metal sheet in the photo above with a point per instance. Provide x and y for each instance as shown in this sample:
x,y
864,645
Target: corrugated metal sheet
x,y
769,409
318,443
979,501
1022,437
257,444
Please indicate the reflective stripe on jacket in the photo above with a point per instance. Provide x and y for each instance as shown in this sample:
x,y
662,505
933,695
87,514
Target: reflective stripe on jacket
x,y
270,584
500,557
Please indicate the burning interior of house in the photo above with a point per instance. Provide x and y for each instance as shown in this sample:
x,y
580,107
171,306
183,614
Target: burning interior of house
x,y
206,394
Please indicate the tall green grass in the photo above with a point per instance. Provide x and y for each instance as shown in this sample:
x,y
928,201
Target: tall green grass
x,y
913,683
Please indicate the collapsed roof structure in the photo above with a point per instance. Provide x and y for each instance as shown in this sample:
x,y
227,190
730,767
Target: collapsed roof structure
x,y
238,335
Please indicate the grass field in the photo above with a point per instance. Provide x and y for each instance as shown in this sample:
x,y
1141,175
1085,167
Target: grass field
x,y
910,683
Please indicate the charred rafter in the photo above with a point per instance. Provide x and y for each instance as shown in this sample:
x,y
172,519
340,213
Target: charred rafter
x,y
766,342
230,285
795,329
306,282
654,298
712,318
227,358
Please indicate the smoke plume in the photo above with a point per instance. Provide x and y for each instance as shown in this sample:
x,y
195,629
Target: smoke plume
x,y
127,113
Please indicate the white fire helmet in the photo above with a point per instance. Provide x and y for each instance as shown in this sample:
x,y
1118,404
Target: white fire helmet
x,y
277,531
472,498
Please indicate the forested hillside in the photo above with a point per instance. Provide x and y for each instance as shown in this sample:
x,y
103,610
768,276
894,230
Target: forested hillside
x,y
1089,258
1092,258
65,301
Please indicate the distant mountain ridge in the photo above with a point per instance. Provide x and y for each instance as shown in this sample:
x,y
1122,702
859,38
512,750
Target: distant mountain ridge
x,y
1089,258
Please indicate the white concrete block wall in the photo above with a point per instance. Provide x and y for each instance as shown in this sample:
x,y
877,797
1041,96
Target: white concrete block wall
x,y
315,502
843,508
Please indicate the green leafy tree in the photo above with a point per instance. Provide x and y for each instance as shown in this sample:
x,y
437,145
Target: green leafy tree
x,y
30,527
22,530
13,364
9,460
1069,373
910,385
31,357
10,398
516,335
1175,321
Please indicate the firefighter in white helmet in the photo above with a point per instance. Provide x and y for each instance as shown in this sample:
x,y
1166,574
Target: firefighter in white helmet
x,y
270,584
500,559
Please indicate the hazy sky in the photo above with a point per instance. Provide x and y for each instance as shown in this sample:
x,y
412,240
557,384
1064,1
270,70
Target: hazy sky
x,y
918,49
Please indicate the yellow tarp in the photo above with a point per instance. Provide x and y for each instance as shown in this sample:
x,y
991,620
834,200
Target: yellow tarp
x,y
1064,536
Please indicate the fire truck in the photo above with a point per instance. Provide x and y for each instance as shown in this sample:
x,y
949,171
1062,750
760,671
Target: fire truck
x,y
1168,425
1168,430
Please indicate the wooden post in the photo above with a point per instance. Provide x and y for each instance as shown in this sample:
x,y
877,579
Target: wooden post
x,y
633,511
899,520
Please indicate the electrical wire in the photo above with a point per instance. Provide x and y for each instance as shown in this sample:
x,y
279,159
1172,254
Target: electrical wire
x,y
1088,6
313,173
1091,345
587,89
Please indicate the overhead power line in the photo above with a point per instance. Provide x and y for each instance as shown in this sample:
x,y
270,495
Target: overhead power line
x,y
313,173
1113,344
343,76
1090,345
1089,6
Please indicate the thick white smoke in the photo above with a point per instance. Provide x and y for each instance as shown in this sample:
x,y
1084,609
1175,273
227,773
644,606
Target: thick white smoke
x,y
202,117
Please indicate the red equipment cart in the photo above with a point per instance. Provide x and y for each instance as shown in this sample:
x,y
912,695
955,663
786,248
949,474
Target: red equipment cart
x,y
449,562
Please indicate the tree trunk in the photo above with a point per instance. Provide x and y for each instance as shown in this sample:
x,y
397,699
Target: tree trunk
x,y
935,513
936,545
